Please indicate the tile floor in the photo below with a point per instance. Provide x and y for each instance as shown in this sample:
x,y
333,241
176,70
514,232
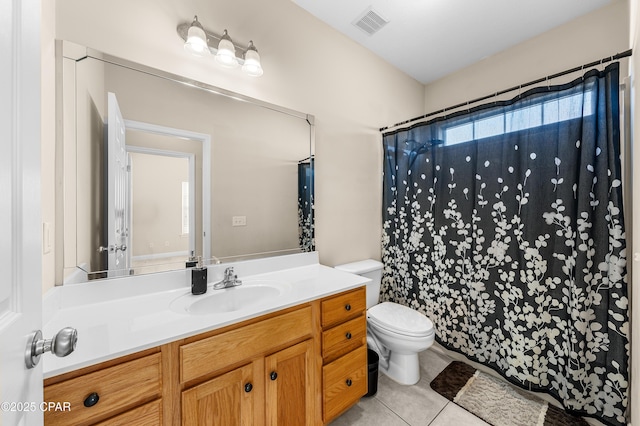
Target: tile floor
x,y
417,405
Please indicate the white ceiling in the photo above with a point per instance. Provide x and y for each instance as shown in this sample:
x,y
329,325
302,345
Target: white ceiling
x,y
428,39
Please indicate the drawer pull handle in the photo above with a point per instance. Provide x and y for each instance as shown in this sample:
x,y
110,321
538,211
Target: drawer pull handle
x,y
91,400
348,335
273,375
248,387
347,307
349,382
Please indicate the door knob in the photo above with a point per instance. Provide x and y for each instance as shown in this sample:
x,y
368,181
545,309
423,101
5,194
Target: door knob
x,y
62,344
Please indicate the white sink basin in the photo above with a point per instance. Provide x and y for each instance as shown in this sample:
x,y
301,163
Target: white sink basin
x,y
249,294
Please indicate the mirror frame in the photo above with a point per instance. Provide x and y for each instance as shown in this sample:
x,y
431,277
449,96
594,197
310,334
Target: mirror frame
x,y
76,52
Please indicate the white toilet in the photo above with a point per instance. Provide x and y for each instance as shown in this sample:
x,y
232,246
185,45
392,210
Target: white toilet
x,y
396,332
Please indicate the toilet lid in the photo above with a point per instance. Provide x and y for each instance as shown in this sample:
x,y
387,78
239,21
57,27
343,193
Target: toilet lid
x,y
400,319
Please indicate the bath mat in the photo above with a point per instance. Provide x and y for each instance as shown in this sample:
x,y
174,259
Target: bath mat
x,y
497,402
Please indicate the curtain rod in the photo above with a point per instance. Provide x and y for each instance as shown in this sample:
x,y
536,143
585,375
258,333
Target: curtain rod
x,y
531,83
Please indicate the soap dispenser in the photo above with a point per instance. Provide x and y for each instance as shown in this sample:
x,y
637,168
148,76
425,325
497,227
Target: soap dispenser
x,y
199,278
192,261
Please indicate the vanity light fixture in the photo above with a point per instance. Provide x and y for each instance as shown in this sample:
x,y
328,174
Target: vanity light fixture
x,y
196,40
226,54
252,65
200,42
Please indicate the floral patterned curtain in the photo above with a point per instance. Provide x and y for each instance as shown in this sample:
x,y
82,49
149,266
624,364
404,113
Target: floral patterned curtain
x,y
306,226
504,226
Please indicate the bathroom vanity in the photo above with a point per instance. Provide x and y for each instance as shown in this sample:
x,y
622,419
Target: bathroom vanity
x,y
296,358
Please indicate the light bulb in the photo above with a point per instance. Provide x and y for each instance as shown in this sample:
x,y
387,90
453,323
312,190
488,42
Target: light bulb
x,y
226,55
252,66
196,42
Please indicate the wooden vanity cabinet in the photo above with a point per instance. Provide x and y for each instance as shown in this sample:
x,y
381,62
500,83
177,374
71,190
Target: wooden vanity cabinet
x,y
274,383
275,390
303,365
228,399
344,351
290,386
126,391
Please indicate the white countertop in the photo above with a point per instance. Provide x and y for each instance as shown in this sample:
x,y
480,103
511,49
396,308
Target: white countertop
x,y
121,316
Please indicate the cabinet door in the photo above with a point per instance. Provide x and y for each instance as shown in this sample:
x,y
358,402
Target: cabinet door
x,y
290,386
225,400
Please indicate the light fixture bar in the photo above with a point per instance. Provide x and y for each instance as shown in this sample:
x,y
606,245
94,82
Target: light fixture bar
x,y
213,40
200,42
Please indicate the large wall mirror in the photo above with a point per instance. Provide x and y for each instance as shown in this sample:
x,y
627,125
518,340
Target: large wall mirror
x,y
157,170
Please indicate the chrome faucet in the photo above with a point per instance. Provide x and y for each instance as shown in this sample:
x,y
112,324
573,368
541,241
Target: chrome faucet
x,y
230,280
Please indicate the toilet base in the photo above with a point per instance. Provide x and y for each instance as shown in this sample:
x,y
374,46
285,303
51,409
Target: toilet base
x,y
403,368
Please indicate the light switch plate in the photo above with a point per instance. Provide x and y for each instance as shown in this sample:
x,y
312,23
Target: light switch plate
x,y
46,237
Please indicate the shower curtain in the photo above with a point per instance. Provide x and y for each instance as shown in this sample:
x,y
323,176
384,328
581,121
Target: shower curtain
x,y
306,226
504,225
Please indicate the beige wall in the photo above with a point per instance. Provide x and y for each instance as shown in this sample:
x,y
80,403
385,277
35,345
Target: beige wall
x,y
308,67
583,40
157,204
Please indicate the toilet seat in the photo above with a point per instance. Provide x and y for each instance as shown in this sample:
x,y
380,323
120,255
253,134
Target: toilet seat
x,y
400,319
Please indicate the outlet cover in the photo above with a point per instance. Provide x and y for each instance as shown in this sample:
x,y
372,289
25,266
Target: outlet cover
x,y
239,221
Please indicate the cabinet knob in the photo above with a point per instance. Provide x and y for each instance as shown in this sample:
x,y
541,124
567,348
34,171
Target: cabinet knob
x,y
347,307
91,400
349,382
248,387
348,335
273,375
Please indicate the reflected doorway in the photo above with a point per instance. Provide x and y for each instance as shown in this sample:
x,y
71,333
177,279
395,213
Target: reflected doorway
x,y
163,207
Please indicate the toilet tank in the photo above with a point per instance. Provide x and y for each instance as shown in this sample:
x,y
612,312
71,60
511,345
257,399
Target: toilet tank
x,y
370,269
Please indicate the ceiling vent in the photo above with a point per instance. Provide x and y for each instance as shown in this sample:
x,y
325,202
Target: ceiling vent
x,y
370,21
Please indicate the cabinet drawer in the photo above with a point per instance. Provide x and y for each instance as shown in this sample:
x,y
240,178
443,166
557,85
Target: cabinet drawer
x,y
216,352
343,338
148,414
343,307
345,381
119,388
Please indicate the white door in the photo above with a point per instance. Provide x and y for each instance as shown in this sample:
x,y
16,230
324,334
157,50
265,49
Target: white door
x,y
20,222
119,247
